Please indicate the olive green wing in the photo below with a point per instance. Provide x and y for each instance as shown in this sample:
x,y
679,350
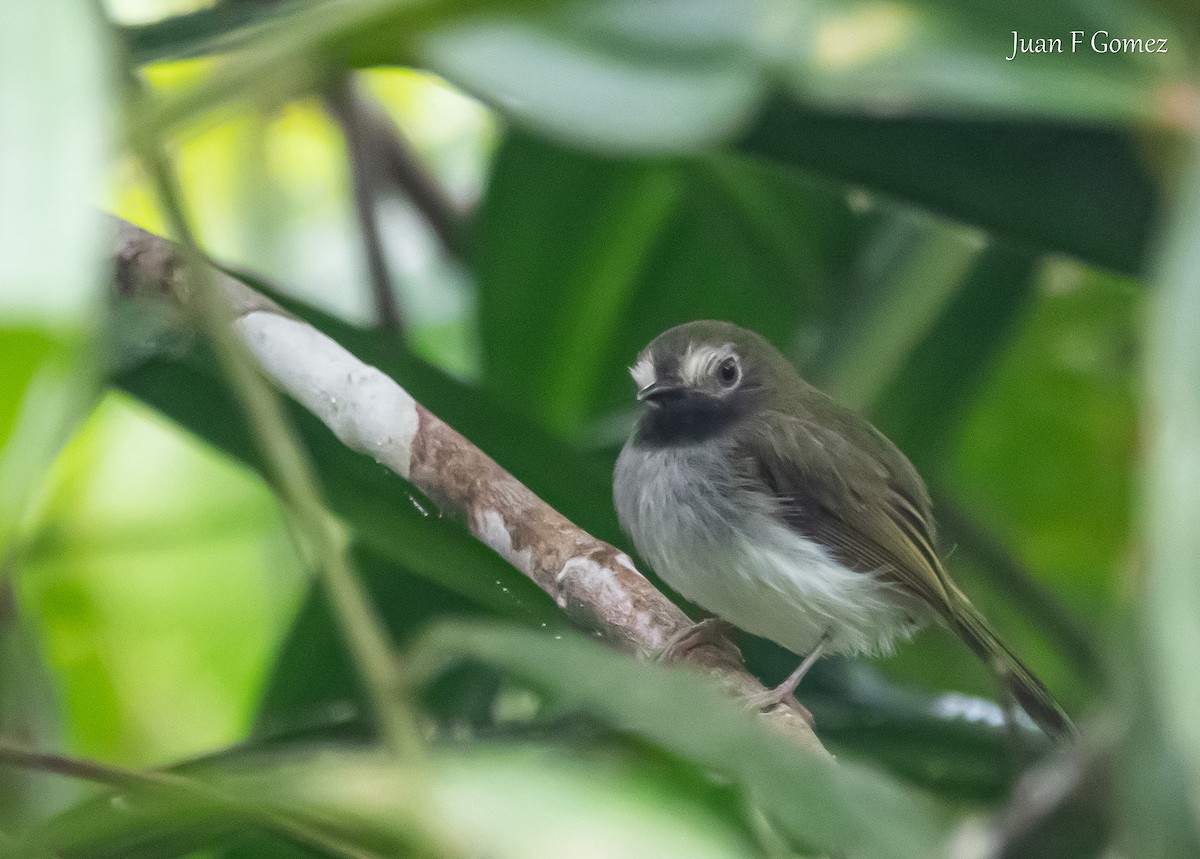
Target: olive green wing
x,y
842,483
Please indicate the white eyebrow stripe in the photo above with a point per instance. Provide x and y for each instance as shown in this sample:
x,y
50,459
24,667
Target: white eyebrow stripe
x,y
699,360
643,372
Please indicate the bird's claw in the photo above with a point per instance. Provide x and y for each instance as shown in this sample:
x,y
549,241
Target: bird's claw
x,y
771,698
711,630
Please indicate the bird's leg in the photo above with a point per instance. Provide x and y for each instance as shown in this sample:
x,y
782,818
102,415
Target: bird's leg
x,y
783,693
711,630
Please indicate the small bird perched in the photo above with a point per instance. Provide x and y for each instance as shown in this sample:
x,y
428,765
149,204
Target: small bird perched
x,y
765,502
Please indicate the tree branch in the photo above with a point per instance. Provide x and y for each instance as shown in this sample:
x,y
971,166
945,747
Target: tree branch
x,y
319,536
594,583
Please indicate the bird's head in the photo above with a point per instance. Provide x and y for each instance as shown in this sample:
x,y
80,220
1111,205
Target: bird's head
x,y
700,378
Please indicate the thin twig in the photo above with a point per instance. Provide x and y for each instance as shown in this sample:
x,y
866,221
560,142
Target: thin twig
x,y
15,756
327,541
364,155
594,583
155,781
401,164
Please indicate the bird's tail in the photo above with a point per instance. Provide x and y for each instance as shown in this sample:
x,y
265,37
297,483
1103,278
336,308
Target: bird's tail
x,y
1024,686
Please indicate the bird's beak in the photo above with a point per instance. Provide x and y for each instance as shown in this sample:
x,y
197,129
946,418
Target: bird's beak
x,y
664,389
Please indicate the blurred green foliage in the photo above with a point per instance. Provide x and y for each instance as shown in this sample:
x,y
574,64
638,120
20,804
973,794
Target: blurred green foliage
x,y
965,248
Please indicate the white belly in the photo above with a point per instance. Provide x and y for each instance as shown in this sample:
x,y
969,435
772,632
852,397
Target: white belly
x,y
720,545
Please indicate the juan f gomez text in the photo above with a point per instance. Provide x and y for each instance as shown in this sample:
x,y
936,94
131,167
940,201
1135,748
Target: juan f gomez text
x,y
1099,42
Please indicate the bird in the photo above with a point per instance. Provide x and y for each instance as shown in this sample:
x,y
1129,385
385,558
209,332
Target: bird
x,y
765,502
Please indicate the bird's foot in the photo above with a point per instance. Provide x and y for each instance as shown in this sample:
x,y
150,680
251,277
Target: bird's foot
x,y
711,630
783,693
770,698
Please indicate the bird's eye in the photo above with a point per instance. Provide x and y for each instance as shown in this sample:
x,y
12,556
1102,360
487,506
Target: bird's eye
x,y
728,372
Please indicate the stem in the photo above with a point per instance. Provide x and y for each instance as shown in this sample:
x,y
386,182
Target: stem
x,y
344,104
403,167
131,781
324,538
292,476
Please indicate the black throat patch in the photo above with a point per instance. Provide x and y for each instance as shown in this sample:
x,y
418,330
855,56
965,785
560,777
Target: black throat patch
x,y
686,421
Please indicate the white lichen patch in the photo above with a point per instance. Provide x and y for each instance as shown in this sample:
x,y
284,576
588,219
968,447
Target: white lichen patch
x,y
490,527
364,408
598,585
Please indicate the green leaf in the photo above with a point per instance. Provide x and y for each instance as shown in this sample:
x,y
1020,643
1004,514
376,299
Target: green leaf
x,y
639,246
563,76
670,78
926,264
1045,458
1172,490
956,744
649,76
503,802
23,351
938,58
547,310
313,686
1065,812
146,539
54,89
820,805
51,387
923,408
28,709
217,29
292,54
1079,190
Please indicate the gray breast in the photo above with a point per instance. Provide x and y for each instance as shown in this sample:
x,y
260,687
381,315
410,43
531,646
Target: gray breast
x,y
720,543
689,517
666,496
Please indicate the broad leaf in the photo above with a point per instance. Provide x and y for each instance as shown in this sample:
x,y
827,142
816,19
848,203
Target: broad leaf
x,y
822,806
